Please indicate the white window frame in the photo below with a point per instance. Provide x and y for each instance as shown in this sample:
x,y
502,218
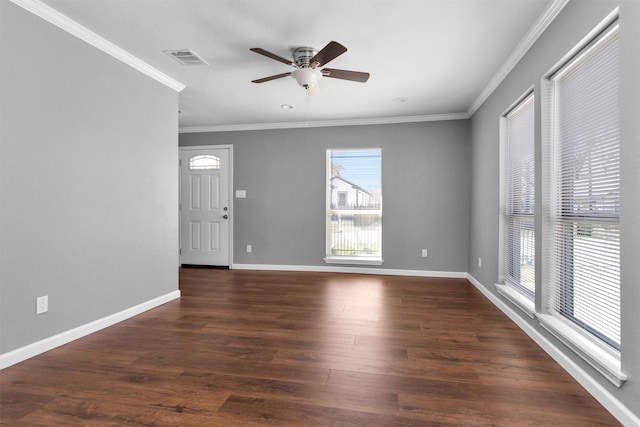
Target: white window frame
x,y
513,292
602,357
346,259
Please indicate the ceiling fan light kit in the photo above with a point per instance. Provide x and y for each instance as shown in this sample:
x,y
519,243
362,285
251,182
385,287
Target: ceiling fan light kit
x,y
306,77
306,61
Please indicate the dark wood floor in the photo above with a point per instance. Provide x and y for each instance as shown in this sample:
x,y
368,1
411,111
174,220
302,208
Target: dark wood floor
x,y
303,349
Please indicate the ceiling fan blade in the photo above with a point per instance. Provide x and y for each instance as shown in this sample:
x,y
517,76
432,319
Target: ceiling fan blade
x,y
271,55
355,76
267,79
328,53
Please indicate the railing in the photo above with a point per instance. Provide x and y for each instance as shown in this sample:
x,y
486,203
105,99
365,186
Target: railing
x,y
356,231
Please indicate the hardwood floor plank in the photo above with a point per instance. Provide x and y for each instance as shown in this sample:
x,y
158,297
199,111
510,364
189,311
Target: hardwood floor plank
x,y
380,365
308,393
286,413
74,411
501,412
249,348
17,404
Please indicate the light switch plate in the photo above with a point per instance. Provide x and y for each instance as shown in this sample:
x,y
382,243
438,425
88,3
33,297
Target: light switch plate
x,y
241,194
42,304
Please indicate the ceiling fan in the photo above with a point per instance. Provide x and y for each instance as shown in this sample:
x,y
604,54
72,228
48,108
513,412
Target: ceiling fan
x,y
306,61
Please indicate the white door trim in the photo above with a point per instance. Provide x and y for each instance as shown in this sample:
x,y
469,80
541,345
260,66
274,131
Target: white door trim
x,y
231,194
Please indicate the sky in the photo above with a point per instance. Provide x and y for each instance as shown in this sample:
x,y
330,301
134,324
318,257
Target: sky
x,y
361,167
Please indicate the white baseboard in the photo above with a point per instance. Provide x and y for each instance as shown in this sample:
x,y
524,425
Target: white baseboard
x,y
601,394
42,346
348,269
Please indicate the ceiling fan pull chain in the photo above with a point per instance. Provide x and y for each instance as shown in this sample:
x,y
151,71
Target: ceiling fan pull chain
x,y
308,101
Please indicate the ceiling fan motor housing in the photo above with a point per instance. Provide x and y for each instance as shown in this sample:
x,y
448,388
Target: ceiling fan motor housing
x,y
302,56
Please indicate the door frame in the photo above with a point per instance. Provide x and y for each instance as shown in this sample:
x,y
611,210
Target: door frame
x,y
185,150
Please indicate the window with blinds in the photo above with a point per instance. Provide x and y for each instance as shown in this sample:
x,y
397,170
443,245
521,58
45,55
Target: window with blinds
x,y
354,206
582,200
518,198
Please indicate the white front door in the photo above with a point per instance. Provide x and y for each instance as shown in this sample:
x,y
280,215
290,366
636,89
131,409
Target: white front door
x,y
204,206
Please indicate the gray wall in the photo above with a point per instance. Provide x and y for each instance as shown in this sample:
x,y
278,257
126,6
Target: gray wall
x,y
425,175
88,179
574,23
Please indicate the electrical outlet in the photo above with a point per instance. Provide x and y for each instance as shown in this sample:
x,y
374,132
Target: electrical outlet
x,y
424,253
479,261
42,304
248,248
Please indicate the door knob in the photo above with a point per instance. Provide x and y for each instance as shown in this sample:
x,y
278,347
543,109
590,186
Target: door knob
x,y
225,216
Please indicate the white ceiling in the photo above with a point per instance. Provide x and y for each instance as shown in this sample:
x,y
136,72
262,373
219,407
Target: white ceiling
x,y
426,57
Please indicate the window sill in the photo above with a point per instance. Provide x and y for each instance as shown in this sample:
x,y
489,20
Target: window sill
x,y
601,357
354,260
519,300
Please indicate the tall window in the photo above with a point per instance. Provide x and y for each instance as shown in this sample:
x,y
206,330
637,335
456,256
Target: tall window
x,y
354,206
582,204
518,199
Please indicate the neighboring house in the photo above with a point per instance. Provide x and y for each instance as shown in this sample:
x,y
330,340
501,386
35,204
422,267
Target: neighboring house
x,y
347,195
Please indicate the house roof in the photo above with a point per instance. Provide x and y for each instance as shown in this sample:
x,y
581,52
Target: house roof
x,y
356,186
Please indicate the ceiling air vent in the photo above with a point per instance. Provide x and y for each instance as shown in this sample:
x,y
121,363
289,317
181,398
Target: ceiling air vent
x,y
186,57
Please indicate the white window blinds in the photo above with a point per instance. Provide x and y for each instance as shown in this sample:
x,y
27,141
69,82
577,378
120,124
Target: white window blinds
x,y
519,200
582,204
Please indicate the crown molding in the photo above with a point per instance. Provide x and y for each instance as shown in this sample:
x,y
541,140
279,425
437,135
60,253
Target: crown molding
x,y
65,23
325,123
72,27
547,17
